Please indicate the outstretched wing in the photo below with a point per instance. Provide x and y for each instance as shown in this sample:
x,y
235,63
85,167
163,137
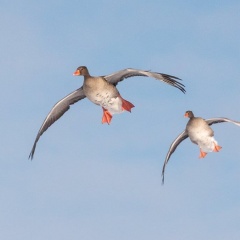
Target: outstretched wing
x,y
116,77
57,111
172,148
221,120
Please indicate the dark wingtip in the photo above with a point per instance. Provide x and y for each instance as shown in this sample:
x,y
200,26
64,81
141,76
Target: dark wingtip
x,y
182,90
30,156
174,81
180,87
32,152
163,178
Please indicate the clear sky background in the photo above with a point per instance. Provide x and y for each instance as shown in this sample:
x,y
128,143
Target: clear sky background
x,y
92,181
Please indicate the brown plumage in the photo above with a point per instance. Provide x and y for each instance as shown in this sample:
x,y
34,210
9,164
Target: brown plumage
x,y
200,133
101,91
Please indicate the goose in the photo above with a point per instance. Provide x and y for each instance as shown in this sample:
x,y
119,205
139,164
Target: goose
x,y
102,91
200,133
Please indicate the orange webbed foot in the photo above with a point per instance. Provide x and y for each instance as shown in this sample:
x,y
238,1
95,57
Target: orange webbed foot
x,y
217,148
202,154
107,117
126,105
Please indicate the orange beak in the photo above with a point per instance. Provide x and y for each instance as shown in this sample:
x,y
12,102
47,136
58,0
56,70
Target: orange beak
x,y
186,115
76,73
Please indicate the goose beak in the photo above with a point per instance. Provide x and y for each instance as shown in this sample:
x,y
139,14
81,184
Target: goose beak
x,y
76,73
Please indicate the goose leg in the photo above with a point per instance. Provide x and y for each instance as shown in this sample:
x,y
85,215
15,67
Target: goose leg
x,y
126,105
107,117
202,154
216,148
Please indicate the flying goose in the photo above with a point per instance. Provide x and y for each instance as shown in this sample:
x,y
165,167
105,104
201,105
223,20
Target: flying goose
x,y
199,132
101,91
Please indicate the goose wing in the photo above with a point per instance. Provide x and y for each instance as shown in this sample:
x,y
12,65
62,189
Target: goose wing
x,y
116,77
221,120
172,148
56,112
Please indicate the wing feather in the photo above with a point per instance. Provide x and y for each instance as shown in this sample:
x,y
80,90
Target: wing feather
x,y
116,77
172,148
221,120
56,112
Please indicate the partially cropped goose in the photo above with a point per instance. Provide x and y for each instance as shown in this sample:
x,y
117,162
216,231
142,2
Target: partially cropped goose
x,y
200,133
101,91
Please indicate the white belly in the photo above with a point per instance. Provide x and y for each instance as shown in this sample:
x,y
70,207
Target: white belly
x,y
201,135
112,104
207,144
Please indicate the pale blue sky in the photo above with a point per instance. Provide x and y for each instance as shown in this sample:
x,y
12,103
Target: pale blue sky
x,y
92,181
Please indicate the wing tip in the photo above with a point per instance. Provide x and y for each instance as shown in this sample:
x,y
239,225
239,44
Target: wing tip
x,y
163,171
30,157
162,179
32,151
172,80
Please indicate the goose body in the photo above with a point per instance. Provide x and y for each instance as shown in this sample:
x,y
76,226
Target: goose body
x,y
105,94
200,133
102,91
